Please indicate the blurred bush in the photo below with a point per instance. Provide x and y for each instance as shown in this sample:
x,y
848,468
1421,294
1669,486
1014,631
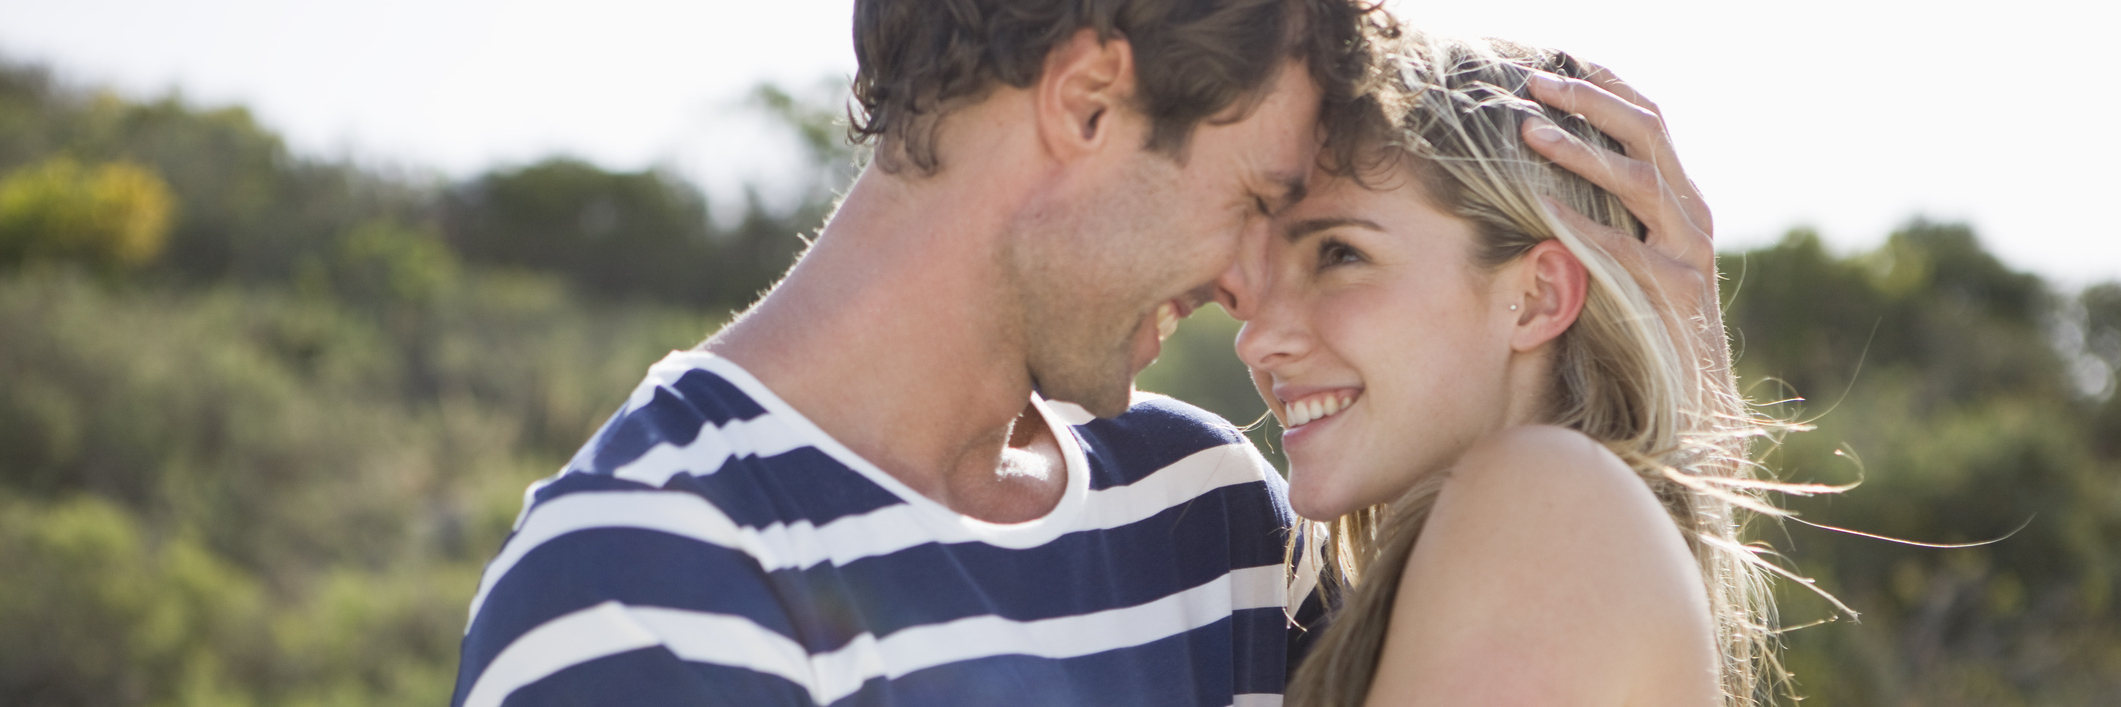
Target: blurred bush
x,y
113,216
384,262
252,496
267,467
115,615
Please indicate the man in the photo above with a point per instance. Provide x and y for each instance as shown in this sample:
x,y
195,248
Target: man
x,y
884,484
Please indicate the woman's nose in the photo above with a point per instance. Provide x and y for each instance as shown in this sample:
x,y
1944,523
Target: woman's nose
x,y
1274,332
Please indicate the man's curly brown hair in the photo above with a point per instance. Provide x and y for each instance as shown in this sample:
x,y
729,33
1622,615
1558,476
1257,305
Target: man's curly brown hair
x,y
1194,60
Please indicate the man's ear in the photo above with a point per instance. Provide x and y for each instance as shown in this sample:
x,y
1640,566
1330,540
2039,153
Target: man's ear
x,y
1085,84
1550,294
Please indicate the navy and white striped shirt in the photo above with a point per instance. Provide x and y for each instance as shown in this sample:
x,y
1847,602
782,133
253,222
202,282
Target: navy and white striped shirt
x,y
711,546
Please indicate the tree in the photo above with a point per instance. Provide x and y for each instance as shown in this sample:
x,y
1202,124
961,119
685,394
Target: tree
x,y
1934,379
639,234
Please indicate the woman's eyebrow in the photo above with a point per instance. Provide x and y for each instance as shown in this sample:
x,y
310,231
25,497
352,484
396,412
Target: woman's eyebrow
x,y
1302,229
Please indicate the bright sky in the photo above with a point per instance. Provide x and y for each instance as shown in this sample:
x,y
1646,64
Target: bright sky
x,y
1848,115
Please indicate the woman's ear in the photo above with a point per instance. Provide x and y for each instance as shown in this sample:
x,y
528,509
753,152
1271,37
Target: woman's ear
x,y
1086,81
1551,285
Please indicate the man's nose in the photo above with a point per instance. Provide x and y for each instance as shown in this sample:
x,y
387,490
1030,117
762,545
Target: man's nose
x,y
1241,286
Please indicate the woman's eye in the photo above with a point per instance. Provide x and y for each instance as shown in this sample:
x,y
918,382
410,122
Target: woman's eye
x,y
1333,252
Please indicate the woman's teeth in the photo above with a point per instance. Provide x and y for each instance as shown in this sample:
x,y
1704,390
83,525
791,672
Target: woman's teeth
x,y
1166,320
1308,410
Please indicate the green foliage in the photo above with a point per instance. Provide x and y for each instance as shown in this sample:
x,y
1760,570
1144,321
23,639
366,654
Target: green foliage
x,y
113,216
235,495
2099,336
640,234
249,210
648,234
252,212
1939,386
816,123
268,467
153,610
381,262
622,235
1199,365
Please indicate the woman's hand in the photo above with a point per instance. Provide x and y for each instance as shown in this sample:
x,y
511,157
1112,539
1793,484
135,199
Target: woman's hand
x,y
1676,263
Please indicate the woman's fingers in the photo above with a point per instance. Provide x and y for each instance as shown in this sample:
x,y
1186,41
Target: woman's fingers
x,y
1605,79
1668,158
1630,119
1677,261
1672,230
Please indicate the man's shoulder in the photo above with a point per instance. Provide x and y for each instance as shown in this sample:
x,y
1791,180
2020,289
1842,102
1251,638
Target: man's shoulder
x,y
681,397
1166,421
698,422
677,512
1160,436
1163,414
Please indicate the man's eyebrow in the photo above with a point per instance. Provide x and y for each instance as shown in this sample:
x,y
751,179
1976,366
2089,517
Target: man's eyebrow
x,y
1301,229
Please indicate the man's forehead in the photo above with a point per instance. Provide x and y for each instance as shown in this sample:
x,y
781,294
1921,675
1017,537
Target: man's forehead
x,y
1288,135
1270,149
1291,90
1286,108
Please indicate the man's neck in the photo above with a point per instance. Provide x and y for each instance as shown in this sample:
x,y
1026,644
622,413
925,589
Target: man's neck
x,y
897,334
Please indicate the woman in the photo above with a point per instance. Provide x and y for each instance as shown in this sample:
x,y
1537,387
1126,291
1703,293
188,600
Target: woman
x,y
1530,462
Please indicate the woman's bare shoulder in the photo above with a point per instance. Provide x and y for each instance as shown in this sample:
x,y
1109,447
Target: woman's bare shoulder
x,y
1556,471
1549,573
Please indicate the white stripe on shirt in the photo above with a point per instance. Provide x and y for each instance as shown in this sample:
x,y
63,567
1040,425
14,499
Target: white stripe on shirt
x,y
555,645
762,436
721,639
883,531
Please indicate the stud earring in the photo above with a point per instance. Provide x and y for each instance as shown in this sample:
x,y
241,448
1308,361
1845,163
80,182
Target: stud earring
x,y
1513,308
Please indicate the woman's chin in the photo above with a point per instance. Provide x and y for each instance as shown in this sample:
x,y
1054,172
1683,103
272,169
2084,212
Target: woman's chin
x,y
1311,501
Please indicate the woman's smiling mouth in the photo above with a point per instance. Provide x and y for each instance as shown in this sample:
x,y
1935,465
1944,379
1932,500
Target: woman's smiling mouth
x,y
1316,406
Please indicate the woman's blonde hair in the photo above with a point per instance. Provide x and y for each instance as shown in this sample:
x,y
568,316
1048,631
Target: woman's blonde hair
x,y
1449,113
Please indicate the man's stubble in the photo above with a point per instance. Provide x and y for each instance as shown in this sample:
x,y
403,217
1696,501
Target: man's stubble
x,y
1089,275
